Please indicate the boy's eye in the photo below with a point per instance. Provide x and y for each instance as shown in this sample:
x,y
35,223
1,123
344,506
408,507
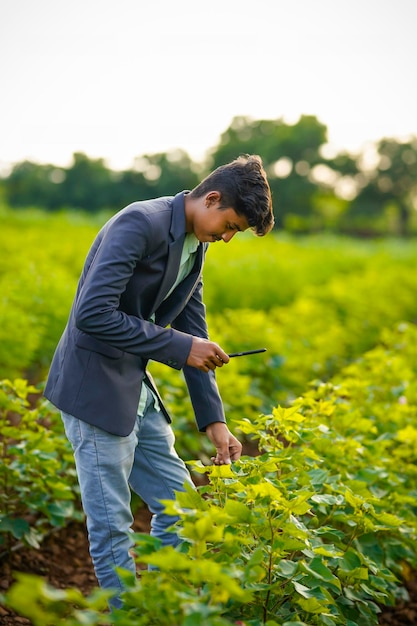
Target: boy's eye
x,y
233,227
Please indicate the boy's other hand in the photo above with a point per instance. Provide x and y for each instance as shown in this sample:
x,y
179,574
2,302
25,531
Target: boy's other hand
x,y
228,448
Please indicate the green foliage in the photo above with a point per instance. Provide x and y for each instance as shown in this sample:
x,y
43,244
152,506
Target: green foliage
x,y
321,526
318,530
315,303
262,273
47,606
37,475
41,261
327,326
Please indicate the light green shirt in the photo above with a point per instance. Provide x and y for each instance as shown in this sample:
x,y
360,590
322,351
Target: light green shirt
x,y
186,264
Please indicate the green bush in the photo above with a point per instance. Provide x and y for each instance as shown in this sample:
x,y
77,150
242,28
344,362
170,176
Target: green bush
x,y
262,273
318,530
40,264
38,486
43,255
323,330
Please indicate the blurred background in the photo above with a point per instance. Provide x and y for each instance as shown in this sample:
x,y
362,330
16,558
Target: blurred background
x,y
105,103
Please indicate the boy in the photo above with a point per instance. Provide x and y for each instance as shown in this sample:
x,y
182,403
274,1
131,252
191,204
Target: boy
x,y
139,298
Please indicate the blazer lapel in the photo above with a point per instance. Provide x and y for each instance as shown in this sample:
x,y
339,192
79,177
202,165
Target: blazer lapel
x,y
172,306
177,235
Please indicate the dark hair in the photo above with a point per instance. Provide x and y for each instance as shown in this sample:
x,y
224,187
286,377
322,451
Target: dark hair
x,y
244,187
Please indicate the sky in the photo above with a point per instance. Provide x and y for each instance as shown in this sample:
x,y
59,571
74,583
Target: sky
x,y
118,79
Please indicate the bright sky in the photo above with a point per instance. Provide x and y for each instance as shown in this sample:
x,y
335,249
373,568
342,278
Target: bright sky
x,y
121,78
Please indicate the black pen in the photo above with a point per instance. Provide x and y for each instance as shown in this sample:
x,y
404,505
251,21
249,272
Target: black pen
x,y
247,352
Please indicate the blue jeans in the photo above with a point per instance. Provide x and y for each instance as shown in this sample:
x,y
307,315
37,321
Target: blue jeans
x,y
109,466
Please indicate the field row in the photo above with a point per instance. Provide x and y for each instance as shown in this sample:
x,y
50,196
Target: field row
x,y
320,529
43,256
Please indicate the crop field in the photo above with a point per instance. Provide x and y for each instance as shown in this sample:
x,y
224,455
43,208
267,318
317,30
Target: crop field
x,y
316,524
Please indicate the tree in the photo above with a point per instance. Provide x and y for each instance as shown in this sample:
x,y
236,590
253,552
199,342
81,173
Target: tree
x,y
289,152
166,173
88,184
393,183
33,184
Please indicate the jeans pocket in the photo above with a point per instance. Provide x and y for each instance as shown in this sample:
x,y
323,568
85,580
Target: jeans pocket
x,y
72,429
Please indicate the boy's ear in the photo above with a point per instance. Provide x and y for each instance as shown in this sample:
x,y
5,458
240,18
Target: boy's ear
x,y
212,197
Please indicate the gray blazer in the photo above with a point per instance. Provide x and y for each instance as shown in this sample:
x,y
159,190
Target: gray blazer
x,y
99,364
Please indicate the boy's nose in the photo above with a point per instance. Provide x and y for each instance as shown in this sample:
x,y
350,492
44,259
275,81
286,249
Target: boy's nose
x,y
227,237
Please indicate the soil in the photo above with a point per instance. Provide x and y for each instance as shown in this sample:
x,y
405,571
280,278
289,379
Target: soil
x,y
65,562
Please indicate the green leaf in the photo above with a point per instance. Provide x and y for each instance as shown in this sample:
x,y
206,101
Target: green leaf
x,y
146,544
328,550
58,512
238,511
191,499
17,526
304,591
221,471
287,568
350,560
388,519
373,593
321,572
328,499
312,605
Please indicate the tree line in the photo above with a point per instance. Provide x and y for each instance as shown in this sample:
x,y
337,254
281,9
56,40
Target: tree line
x,y
373,192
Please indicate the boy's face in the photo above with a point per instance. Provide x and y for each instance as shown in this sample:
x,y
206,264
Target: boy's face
x,y
212,223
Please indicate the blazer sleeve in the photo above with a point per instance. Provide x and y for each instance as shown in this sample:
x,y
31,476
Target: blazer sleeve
x,y
97,311
202,386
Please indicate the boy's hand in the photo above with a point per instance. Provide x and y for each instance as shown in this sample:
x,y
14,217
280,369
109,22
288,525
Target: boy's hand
x,y
228,448
206,355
